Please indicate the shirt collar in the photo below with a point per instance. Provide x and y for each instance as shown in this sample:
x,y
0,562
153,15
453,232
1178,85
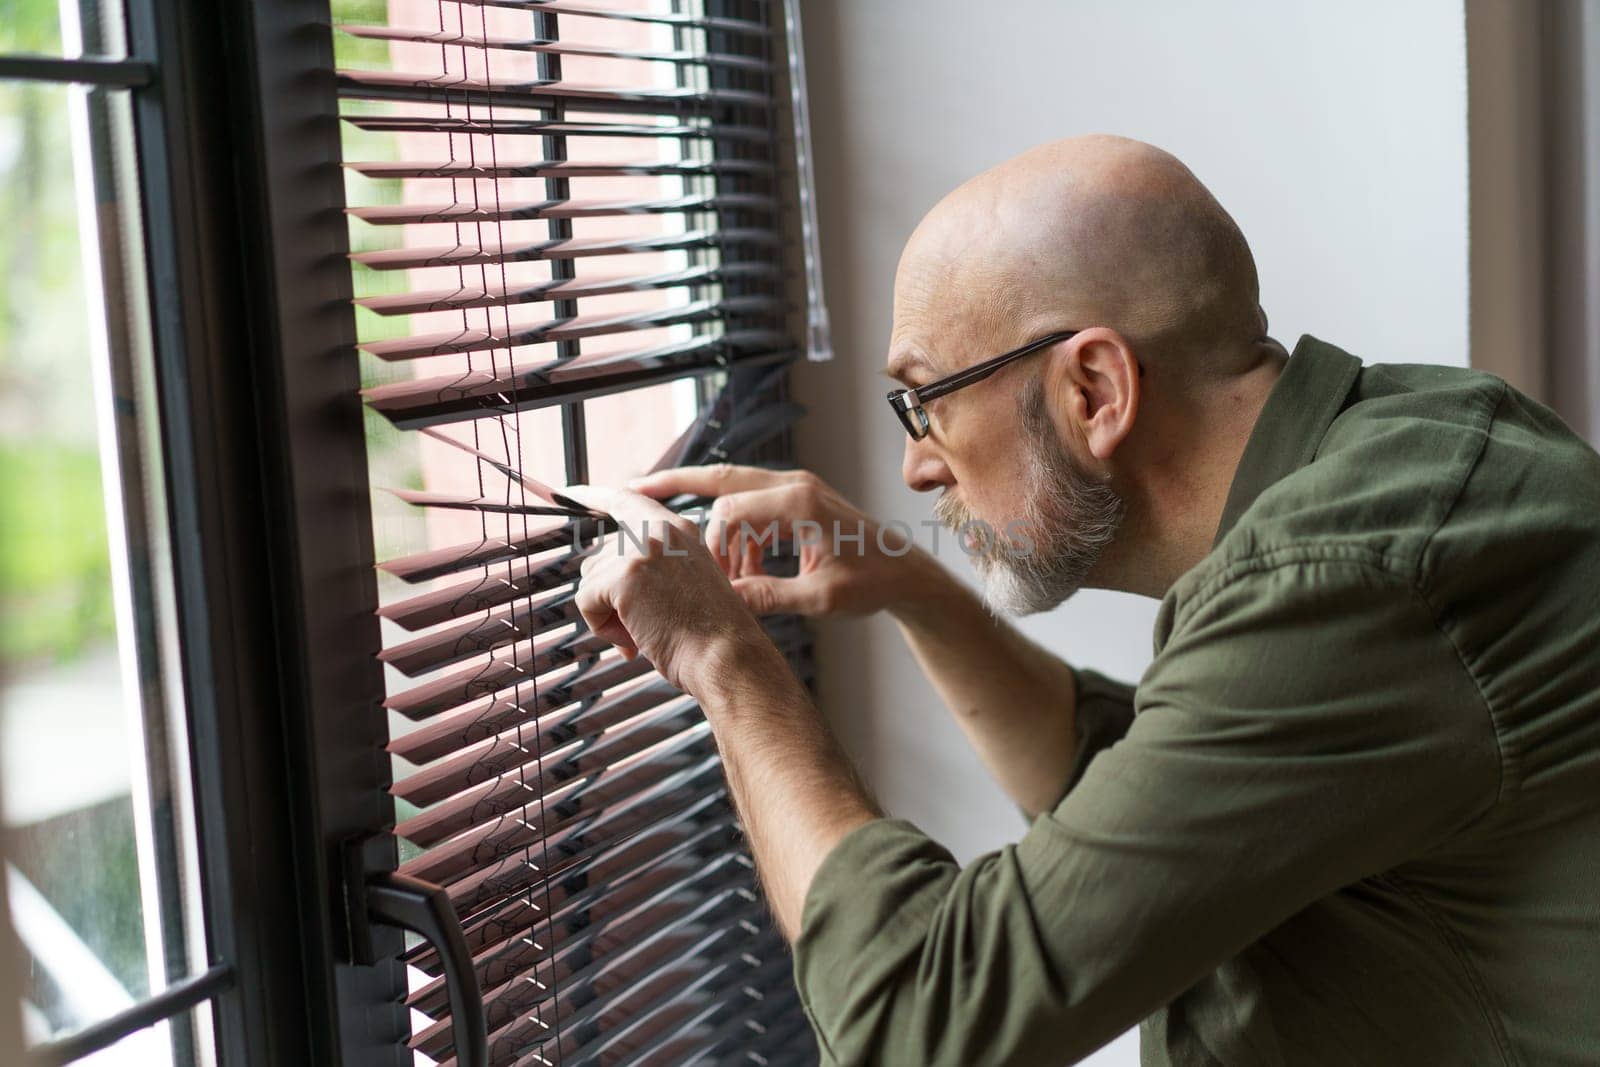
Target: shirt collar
x,y
1310,391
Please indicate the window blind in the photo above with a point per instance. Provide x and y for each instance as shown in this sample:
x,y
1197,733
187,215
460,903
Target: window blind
x,y
570,260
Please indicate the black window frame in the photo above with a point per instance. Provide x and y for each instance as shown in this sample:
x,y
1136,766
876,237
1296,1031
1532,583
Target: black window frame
x,y
241,199
237,165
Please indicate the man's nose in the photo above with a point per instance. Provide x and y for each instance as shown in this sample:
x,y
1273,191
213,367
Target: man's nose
x,y
924,469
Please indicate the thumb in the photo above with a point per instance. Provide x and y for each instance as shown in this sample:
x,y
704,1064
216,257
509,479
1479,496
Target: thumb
x,y
599,614
766,595
614,631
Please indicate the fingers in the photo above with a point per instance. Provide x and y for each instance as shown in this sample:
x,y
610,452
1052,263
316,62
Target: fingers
x,y
713,479
766,595
641,516
752,564
595,601
743,523
764,514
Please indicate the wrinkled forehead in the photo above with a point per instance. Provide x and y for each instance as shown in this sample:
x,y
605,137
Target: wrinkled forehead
x,y
946,307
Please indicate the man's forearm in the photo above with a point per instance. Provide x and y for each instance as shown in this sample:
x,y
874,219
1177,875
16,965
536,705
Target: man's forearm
x,y
792,785
1014,700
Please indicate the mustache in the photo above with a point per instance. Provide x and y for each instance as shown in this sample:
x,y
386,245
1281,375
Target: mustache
x,y
955,516
950,511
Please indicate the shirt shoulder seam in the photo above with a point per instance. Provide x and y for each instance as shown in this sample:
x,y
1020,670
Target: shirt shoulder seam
x,y
1389,564
1490,410
1391,567
1496,398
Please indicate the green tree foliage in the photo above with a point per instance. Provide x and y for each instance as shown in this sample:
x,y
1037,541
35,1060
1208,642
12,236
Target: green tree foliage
x,y
55,587
30,26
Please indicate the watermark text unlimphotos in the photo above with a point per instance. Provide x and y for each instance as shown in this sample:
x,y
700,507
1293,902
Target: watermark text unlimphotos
x,y
892,538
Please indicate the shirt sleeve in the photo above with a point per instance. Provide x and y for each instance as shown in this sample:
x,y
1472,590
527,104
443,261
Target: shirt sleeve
x,y
1102,713
1103,710
1305,726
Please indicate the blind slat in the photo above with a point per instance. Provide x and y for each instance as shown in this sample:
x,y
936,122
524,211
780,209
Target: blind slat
x,y
440,562
676,945
514,579
459,170
513,210
474,883
576,328
576,901
680,20
681,767
516,622
672,1028
696,951
467,297
609,948
447,88
513,125
526,661
707,827
773,1037
567,249
483,771
548,729
475,721
553,47
479,394
507,764
625,907
687,957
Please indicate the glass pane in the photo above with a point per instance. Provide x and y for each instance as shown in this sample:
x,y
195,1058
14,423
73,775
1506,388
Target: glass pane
x,y
90,718
168,1043
653,418
62,27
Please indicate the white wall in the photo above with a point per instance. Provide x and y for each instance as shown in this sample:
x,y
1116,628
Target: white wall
x,y
1335,132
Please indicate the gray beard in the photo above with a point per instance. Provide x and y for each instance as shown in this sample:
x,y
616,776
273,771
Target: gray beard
x,y
1070,517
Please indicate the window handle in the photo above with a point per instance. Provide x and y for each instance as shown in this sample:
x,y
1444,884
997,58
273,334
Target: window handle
x,y
395,899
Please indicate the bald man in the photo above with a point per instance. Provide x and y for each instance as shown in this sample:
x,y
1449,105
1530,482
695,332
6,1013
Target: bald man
x,y
1350,814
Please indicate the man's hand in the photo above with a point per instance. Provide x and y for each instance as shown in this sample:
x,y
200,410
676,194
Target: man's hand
x,y
652,589
1014,700
849,563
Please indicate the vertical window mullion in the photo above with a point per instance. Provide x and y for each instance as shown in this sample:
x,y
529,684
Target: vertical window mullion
x,y
574,431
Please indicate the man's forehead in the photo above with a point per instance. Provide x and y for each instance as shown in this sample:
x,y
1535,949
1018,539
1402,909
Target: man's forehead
x,y
930,314
936,338
940,332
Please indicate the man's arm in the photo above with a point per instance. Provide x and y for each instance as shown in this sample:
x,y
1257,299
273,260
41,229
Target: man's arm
x,y
792,786
1015,702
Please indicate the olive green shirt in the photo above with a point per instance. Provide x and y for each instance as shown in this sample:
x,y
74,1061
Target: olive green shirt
x,y
1351,814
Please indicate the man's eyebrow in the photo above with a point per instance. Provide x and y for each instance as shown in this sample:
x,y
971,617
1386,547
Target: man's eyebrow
x,y
903,363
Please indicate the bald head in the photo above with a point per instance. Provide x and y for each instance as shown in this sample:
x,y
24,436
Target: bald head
x,y
1090,231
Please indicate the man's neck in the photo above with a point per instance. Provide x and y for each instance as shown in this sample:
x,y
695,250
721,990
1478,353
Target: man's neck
x,y
1172,518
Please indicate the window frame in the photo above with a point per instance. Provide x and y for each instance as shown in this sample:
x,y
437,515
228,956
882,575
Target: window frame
x,y
265,471
251,334
265,415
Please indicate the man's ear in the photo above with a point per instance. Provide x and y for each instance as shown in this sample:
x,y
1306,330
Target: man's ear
x,y
1094,380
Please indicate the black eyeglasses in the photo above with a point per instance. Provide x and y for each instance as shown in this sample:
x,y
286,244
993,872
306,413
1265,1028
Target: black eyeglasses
x,y
907,403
